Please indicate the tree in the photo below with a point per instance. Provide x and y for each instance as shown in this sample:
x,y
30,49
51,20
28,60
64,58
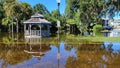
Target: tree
x,y
14,11
2,14
9,1
40,8
18,11
26,11
7,22
85,12
53,17
1,11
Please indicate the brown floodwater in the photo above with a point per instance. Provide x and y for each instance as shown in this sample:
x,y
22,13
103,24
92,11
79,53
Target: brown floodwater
x,y
19,52
102,55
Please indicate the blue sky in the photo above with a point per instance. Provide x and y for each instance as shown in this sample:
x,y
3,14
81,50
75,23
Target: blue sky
x,y
117,16
50,4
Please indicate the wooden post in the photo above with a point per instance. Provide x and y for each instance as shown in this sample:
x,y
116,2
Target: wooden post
x,y
40,31
30,29
25,29
48,30
17,25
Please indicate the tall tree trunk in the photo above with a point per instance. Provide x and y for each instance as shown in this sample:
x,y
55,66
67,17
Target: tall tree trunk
x,y
9,29
17,30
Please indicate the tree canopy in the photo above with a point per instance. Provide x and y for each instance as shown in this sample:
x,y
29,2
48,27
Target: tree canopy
x,y
40,8
83,12
78,12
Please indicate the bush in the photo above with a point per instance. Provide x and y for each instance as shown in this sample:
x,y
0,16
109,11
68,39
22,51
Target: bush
x,y
97,29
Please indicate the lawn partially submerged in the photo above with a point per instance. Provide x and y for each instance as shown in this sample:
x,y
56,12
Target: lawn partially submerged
x,y
67,39
92,39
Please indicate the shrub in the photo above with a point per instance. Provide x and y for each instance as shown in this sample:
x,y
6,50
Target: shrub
x,y
97,29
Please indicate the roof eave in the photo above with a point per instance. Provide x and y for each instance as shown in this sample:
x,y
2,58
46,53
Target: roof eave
x,y
38,22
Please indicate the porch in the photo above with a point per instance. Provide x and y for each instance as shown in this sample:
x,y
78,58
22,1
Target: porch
x,y
36,33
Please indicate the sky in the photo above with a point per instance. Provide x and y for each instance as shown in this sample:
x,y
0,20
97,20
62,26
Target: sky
x,y
117,16
49,4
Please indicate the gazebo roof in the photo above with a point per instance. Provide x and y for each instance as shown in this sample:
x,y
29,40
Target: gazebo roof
x,y
37,15
37,18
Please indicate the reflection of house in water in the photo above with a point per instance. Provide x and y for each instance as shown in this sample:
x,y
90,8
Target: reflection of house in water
x,y
37,26
36,50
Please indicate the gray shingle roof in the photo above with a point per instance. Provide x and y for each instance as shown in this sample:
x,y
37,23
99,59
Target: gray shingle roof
x,y
37,18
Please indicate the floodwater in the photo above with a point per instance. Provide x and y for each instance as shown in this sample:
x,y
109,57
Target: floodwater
x,y
104,55
58,55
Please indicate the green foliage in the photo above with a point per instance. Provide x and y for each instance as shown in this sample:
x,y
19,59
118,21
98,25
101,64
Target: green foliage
x,y
14,10
54,15
97,29
1,10
81,39
18,12
63,21
6,21
40,8
26,11
9,1
70,21
84,12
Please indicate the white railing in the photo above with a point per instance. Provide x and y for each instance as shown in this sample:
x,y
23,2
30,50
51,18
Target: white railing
x,y
37,33
33,32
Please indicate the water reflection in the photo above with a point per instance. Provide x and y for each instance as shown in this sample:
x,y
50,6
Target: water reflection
x,y
103,55
114,46
95,56
8,38
12,55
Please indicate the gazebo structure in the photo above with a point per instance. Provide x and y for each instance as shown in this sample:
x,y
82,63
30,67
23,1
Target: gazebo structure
x,y
36,27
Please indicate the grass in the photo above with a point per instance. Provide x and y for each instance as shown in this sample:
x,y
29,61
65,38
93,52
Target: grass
x,y
93,39
66,38
71,39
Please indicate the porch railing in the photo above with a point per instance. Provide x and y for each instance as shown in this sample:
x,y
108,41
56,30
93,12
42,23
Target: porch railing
x,y
33,32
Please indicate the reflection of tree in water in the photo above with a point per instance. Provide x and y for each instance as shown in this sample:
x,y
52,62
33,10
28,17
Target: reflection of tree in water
x,y
69,47
12,55
110,47
7,38
93,56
